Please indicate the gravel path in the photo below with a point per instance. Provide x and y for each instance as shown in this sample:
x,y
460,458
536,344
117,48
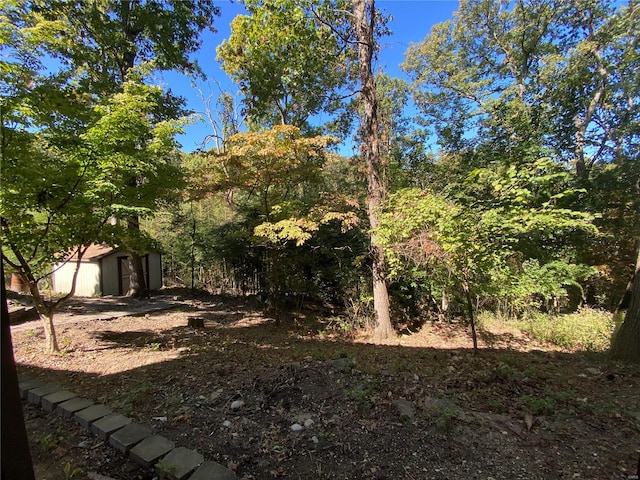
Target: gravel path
x,y
103,308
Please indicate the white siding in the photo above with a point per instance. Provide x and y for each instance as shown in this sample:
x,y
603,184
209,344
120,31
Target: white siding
x,y
87,283
110,278
102,276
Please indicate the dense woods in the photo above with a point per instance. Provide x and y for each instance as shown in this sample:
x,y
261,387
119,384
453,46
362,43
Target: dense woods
x,y
503,176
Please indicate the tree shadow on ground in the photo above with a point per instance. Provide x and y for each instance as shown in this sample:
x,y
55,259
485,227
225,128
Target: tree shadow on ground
x,y
466,412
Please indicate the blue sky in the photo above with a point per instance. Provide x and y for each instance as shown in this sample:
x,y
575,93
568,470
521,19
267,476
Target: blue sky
x,y
411,22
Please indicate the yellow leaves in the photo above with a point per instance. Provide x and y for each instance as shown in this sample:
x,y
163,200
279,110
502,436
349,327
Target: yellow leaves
x,y
271,163
297,230
280,172
348,220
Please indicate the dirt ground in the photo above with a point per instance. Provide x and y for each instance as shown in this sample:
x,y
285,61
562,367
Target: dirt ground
x,y
301,401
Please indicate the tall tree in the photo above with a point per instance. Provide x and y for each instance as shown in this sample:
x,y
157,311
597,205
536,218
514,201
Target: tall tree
x,y
44,209
277,178
16,457
289,59
365,18
528,61
511,245
69,152
118,35
60,188
403,144
626,340
556,78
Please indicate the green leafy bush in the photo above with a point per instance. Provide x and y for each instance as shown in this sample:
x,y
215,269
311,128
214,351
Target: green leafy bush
x,y
587,329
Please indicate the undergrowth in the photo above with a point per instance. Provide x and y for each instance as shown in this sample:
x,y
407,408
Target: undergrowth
x,y
587,329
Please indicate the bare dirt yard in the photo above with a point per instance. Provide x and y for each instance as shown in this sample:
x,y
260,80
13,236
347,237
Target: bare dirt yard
x,y
301,401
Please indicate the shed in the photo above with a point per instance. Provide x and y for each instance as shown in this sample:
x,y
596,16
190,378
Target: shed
x,y
104,270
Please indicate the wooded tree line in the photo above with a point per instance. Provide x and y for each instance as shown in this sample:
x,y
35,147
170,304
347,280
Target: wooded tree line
x,y
512,186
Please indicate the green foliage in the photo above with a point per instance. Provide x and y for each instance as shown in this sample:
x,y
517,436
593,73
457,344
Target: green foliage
x,y
511,242
585,330
275,192
137,155
289,65
537,405
84,139
530,81
117,35
70,472
534,286
56,196
445,419
166,471
48,442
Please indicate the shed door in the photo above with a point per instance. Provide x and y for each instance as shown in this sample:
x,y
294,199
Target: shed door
x,y
124,273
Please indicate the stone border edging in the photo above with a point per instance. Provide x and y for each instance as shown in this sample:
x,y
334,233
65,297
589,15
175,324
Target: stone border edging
x,y
133,440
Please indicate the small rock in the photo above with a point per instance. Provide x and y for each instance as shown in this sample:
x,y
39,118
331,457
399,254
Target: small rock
x,y
405,408
237,404
160,419
213,396
340,363
296,427
308,422
314,439
592,371
226,423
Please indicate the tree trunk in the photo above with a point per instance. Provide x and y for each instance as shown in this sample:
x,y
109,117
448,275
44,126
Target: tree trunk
x,y
193,247
364,18
624,302
275,277
16,457
45,311
137,283
50,333
626,341
581,123
472,319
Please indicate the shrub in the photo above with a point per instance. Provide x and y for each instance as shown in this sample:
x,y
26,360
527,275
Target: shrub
x,y
588,329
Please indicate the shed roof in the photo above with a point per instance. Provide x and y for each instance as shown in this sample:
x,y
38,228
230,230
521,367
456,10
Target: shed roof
x,y
95,251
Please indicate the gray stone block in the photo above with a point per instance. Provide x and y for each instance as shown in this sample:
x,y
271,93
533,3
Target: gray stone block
x,y
179,463
50,402
212,471
109,424
128,437
149,450
68,408
90,414
27,385
35,396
